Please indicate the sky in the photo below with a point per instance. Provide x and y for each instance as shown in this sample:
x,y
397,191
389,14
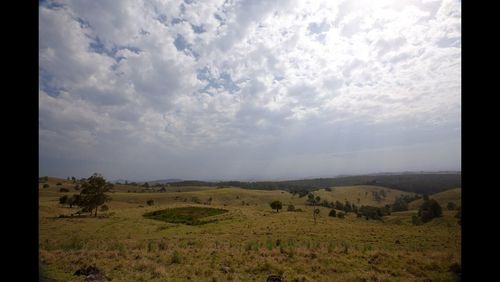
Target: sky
x,y
248,90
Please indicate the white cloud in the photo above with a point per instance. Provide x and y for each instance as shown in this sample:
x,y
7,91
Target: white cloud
x,y
169,80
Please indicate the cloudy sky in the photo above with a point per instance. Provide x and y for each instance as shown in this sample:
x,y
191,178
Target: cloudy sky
x,y
249,89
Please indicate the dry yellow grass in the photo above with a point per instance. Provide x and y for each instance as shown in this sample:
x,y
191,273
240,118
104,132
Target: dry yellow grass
x,y
443,198
248,243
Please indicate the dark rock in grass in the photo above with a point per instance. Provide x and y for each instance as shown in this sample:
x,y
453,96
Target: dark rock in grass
x,y
91,273
455,268
274,278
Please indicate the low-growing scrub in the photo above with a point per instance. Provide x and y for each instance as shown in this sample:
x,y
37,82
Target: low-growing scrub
x,y
186,215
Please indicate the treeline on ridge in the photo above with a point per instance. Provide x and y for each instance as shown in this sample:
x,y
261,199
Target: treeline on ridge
x,y
416,183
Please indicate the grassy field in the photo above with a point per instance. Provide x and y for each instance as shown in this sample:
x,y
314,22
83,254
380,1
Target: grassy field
x,y
247,243
443,198
361,195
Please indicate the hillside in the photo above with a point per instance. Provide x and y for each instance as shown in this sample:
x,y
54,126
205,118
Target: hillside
x,y
248,243
361,195
443,198
425,183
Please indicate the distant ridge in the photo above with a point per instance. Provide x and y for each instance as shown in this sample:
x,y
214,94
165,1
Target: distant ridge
x,y
416,182
165,181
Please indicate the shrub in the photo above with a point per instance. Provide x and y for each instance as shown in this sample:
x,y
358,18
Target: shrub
x,y
340,215
332,213
104,208
63,200
46,185
59,184
415,220
64,190
175,259
399,205
328,189
429,210
291,208
451,206
150,202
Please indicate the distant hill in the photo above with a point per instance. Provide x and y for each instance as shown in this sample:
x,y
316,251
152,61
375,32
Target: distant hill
x,y
165,181
421,183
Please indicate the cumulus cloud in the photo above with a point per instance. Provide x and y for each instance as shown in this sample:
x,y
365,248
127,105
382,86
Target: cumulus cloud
x,y
248,89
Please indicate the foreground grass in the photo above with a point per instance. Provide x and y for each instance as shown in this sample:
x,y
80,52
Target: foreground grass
x,y
247,243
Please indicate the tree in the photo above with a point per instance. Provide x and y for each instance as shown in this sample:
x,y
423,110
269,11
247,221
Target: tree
x,y
104,208
315,214
451,206
399,204
46,185
276,205
430,209
291,208
74,200
93,192
63,199
347,207
62,190
150,202
332,213
146,185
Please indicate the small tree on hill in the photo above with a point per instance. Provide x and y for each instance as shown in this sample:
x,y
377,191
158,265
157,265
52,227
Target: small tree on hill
x,y
430,209
276,205
93,192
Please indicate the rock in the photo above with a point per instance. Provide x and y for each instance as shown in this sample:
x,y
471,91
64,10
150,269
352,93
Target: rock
x,y
275,278
225,269
91,273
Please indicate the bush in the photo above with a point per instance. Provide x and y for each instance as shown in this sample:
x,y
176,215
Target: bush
x,y
328,189
46,185
175,258
291,208
415,220
332,213
429,210
63,200
451,206
59,184
104,208
150,202
370,212
64,190
340,215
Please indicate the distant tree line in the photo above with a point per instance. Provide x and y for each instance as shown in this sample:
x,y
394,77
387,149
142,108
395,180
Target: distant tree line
x,y
416,183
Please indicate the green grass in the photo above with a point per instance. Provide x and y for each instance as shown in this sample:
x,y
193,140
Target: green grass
x,y
186,215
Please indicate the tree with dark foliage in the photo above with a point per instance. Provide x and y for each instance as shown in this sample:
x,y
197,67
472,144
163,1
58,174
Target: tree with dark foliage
x,y
430,209
276,205
93,192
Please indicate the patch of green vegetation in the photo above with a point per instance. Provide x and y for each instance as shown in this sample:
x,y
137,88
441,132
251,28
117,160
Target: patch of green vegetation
x,y
185,215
